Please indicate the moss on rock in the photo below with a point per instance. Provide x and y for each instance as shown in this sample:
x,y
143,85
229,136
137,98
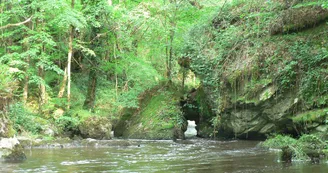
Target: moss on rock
x,y
6,128
261,64
158,115
16,155
96,127
11,150
307,147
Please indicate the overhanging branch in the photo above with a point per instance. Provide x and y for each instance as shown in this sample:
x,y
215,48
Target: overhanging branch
x,y
16,24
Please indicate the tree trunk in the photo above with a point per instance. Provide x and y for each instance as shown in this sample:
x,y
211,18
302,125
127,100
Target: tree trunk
x,y
89,102
63,85
170,57
27,77
43,94
116,81
69,60
26,80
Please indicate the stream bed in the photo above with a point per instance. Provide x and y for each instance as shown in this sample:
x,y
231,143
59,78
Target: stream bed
x,y
193,155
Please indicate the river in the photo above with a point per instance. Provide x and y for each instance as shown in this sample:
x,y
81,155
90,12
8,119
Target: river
x,y
196,155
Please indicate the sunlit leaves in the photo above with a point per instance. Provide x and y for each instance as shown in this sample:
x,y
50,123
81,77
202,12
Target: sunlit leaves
x,y
69,17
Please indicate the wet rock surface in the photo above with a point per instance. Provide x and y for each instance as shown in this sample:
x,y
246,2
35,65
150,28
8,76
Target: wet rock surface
x,y
11,150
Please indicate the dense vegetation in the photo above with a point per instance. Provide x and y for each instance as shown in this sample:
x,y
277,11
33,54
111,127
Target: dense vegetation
x,y
64,61
238,68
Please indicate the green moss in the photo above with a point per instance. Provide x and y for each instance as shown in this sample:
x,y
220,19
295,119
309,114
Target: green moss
x,y
254,91
319,115
204,108
96,127
161,111
245,50
17,154
307,146
158,114
279,141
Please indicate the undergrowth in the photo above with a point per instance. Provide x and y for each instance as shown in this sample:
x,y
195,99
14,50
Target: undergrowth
x,y
302,148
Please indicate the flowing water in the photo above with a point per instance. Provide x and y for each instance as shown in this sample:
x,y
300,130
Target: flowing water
x,y
194,155
191,129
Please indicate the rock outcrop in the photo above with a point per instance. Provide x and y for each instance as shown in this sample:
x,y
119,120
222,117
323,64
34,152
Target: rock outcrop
x,y
159,117
11,150
262,68
96,127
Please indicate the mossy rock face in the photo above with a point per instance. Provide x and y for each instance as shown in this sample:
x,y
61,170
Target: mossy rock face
x,y
158,115
96,127
314,121
262,66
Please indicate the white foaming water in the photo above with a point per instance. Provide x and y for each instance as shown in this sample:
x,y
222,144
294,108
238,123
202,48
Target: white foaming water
x,y
191,130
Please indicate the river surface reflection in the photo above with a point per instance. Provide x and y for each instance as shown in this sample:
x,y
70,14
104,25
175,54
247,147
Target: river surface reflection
x,y
197,155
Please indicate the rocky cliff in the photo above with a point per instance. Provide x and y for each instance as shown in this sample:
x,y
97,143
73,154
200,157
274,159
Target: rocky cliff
x,y
263,67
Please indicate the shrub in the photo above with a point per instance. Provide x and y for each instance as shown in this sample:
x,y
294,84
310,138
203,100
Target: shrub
x,y
279,141
67,124
23,120
301,149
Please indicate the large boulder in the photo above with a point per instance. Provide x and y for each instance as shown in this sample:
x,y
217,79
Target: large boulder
x,y
159,116
96,127
11,150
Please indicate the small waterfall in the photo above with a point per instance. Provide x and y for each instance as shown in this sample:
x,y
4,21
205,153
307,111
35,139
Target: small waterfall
x,y
191,130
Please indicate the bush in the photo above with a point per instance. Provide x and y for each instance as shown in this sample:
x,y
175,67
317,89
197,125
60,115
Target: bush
x,y
67,124
23,120
279,141
301,149
311,142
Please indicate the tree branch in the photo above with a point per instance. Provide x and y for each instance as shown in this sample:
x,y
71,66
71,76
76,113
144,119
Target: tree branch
x,y
16,24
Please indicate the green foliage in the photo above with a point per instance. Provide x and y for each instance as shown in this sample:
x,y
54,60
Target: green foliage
x,y
24,120
8,86
318,116
125,44
66,123
312,68
301,148
279,141
159,113
312,142
250,46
